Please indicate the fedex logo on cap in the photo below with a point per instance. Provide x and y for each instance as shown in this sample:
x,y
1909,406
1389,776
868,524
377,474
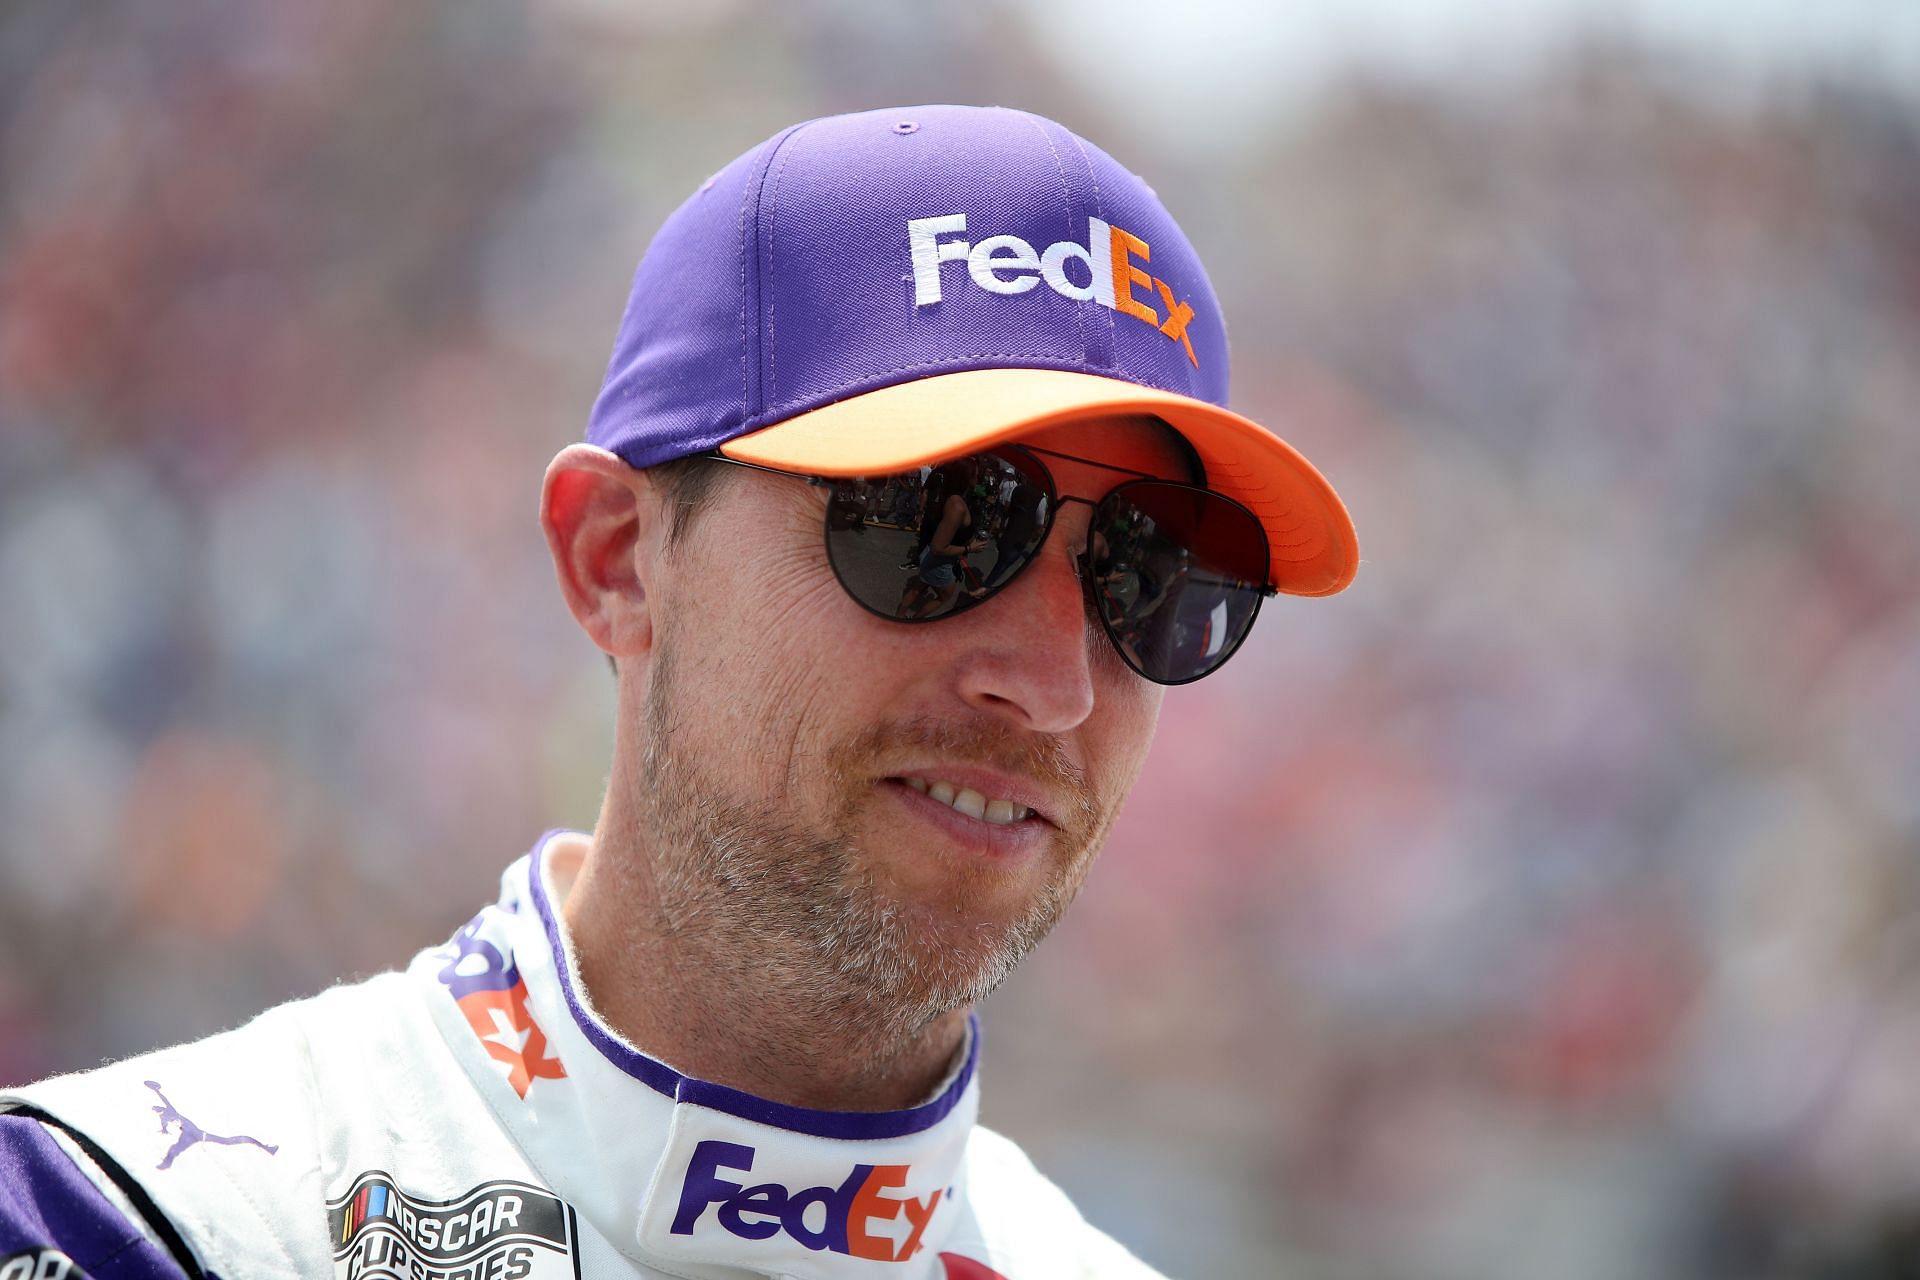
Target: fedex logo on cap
x,y
838,1219
1007,264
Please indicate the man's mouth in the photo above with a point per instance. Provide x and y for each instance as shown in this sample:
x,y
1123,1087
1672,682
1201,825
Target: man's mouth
x,y
966,800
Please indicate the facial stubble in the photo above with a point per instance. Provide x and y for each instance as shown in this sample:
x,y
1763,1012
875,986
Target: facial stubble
x,y
796,913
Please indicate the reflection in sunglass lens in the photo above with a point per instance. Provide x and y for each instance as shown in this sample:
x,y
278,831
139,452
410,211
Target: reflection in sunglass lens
x,y
937,541
1177,574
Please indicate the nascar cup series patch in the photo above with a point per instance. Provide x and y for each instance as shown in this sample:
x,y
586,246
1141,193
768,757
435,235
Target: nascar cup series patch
x,y
39,1264
502,1230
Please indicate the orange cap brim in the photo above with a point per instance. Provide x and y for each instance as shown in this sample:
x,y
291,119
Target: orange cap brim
x,y
913,424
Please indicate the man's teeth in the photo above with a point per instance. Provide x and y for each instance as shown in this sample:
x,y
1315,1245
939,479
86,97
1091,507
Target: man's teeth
x,y
970,802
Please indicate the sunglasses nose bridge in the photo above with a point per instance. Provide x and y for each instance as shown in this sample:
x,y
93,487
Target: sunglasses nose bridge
x,y
1079,557
1077,553
1055,615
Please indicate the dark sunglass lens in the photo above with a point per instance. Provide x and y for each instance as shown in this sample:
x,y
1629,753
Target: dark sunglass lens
x,y
1177,575
936,541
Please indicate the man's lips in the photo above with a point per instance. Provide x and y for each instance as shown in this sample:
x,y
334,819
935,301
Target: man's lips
x,y
985,795
1009,844
967,801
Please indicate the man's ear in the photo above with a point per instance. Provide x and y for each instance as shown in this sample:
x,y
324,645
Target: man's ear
x,y
604,525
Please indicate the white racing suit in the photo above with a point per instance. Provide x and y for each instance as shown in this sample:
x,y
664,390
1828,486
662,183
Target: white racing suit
x,y
471,1118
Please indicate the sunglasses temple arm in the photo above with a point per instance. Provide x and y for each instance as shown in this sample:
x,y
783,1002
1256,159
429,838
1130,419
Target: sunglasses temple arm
x,y
714,455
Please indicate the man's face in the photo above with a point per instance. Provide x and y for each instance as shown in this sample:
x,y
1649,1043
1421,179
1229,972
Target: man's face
x,y
799,754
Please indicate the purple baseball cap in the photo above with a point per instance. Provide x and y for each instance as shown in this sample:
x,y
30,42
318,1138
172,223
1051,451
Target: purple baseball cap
x,y
865,294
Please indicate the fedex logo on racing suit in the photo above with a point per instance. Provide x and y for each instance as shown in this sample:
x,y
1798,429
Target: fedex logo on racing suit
x,y
838,1219
1008,265
490,992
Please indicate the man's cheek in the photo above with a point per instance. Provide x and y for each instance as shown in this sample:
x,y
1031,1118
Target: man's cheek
x,y
1134,707
806,701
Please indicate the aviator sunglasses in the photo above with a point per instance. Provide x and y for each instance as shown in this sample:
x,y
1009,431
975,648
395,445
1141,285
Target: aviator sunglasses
x,y
1174,572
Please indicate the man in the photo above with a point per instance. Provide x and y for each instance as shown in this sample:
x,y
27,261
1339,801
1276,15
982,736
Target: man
x,y
729,1033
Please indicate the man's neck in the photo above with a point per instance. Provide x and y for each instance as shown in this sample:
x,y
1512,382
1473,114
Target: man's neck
x,y
757,1022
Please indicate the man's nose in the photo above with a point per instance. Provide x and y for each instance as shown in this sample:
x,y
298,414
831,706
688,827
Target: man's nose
x,y
1033,663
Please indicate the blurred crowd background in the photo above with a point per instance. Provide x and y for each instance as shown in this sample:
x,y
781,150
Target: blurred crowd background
x,y
1546,905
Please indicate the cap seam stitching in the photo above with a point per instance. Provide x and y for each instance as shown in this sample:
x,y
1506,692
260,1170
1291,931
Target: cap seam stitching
x,y
746,196
771,201
1066,191
1100,210
754,194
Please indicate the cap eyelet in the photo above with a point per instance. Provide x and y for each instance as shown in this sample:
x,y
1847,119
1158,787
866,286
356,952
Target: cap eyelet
x,y
905,127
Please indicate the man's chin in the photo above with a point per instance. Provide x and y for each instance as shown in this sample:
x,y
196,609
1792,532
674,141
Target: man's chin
x,y
946,957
